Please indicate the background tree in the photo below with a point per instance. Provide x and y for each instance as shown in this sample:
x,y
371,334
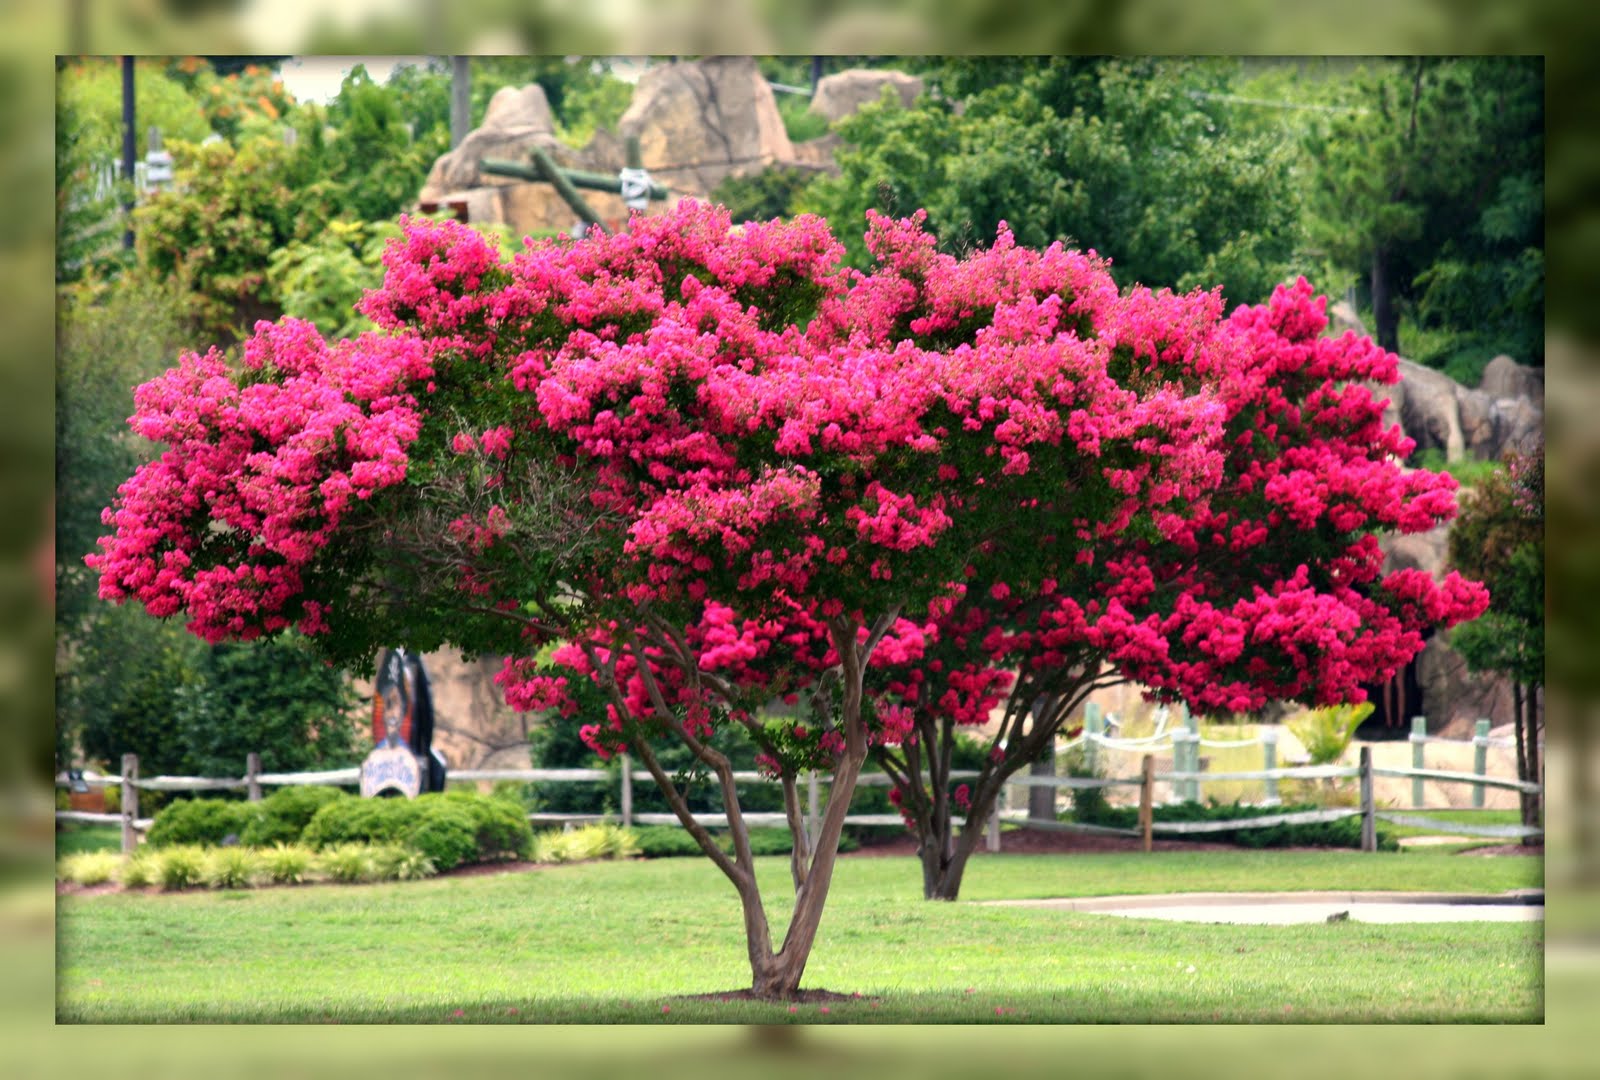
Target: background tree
x,y
1499,538
1430,188
1135,159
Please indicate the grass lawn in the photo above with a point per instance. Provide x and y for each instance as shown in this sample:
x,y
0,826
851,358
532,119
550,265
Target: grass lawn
x,y
73,837
621,942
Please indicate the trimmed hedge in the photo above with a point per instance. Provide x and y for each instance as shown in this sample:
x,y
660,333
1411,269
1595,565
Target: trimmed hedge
x,y
284,815
200,822
450,828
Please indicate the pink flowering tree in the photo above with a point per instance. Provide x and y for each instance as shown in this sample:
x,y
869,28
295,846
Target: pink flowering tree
x,y
716,465
1269,589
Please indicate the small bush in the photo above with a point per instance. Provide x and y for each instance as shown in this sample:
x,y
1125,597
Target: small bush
x,y
500,824
347,863
282,817
361,821
446,836
664,842
286,864
139,870
231,868
1346,832
89,867
180,867
200,821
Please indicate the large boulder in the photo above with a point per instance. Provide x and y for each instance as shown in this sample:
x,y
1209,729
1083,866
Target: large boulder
x,y
842,93
700,122
1505,378
515,119
1429,410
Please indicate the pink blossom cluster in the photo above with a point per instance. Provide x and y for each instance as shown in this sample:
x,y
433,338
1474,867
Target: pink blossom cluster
x,y
263,464
1036,469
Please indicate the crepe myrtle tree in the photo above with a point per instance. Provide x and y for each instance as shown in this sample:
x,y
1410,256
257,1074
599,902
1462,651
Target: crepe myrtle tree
x,y
1269,589
715,464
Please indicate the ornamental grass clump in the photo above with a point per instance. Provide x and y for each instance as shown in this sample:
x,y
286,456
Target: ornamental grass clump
x,y
180,867
714,467
89,867
397,862
286,864
347,864
231,867
139,869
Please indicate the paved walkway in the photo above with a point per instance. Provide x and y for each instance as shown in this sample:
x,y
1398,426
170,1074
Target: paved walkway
x,y
1520,905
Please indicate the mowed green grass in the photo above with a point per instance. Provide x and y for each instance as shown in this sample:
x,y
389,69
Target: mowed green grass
x,y
624,942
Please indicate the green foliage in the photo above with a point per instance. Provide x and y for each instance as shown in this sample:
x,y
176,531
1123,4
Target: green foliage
x,y
664,842
272,696
286,864
321,279
445,834
598,841
373,161
1428,184
232,867
583,94
1346,832
771,193
1469,472
1129,157
89,867
800,122
1326,732
1498,538
450,828
91,90
199,821
282,817
179,867
230,209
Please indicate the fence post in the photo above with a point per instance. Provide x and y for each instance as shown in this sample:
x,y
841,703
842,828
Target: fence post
x,y
1192,723
811,807
627,791
991,840
1269,762
1369,826
1480,760
1147,784
1419,736
1092,727
130,802
252,773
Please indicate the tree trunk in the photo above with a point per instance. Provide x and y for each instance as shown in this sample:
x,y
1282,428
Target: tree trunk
x,y
1386,320
1530,773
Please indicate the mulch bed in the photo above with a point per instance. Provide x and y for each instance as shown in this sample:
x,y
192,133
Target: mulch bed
x,y
799,997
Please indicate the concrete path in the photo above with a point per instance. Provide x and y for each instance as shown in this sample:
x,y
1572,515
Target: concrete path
x,y
1521,905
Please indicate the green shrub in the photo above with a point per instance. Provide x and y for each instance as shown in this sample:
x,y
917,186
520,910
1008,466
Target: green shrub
x,y
500,824
446,835
362,821
664,842
283,816
231,868
347,863
286,864
200,821
139,870
89,867
180,867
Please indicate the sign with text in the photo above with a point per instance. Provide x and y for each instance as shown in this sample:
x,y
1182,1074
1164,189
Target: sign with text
x,y
391,768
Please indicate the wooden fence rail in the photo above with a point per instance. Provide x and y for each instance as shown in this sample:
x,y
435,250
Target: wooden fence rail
x,y
1184,781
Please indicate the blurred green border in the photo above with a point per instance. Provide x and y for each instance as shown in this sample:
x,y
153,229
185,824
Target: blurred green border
x,y
1565,32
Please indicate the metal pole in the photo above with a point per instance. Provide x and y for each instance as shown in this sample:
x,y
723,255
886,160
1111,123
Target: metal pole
x,y
130,147
1092,727
1193,724
252,774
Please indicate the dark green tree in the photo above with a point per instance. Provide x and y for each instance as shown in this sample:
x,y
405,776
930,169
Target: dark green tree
x,y
1430,186
1499,539
1138,159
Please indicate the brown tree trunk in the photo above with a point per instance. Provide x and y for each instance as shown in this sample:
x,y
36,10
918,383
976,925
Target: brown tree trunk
x,y
1529,769
1385,318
